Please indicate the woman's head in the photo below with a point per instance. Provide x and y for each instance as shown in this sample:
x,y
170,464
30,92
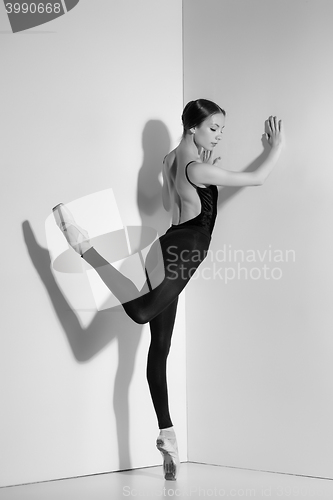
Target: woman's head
x,y
195,112
198,117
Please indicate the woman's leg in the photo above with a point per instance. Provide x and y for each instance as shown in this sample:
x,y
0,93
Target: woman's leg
x,y
182,252
161,328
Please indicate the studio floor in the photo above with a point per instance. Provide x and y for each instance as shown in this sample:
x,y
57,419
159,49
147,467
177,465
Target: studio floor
x,y
195,481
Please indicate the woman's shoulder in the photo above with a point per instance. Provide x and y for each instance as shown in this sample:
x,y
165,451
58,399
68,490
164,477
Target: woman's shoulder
x,y
176,162
182,157
170,157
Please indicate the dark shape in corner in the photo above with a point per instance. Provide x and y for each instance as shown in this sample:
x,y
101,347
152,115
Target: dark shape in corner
x,y
70,4
26,14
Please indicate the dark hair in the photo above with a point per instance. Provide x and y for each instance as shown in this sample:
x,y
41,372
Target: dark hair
x,y
195,112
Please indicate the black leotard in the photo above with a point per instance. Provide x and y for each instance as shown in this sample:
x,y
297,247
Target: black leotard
x,y
208,198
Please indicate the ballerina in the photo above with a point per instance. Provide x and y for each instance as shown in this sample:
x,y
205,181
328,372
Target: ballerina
x,y
190,180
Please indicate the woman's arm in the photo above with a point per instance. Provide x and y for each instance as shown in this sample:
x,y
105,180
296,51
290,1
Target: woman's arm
x,y
204,173
209,173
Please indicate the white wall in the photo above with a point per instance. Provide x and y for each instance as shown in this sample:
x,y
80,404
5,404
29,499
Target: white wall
x,y
90,101
260,367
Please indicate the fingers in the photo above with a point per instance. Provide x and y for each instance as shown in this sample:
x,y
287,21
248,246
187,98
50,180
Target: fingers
x,y
274,131
274,124
206,155
271,123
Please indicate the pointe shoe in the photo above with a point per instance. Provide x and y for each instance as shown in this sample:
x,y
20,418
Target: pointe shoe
x,y
169,453
77,237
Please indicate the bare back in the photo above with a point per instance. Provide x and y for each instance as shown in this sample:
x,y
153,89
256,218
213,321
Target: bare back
x,y
184,199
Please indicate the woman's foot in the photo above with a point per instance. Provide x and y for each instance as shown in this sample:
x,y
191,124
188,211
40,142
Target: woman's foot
x,y
166,443
77,237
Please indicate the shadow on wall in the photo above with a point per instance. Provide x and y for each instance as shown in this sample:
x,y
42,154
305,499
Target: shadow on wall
x,y
112,324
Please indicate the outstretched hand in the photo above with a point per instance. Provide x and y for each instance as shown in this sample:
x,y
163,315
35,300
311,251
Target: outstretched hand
x,y
275,132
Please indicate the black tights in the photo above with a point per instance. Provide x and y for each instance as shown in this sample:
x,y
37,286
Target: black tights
x,y
170,263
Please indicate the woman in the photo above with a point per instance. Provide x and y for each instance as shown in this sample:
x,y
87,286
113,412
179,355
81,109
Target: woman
x,y
190,180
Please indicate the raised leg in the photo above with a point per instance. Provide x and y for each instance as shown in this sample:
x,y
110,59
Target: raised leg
x,y
183,250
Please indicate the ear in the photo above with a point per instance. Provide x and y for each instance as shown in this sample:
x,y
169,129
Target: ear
x,y
192,130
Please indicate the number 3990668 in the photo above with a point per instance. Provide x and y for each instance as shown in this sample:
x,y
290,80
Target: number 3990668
x,y
33,8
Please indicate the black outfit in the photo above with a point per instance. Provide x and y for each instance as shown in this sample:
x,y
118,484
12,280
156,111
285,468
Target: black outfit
x,y
184,246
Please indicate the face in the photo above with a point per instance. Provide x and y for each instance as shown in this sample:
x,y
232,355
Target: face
x,y
209,133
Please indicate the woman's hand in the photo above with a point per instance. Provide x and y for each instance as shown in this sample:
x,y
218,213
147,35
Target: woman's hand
x,y
207,157
275,132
